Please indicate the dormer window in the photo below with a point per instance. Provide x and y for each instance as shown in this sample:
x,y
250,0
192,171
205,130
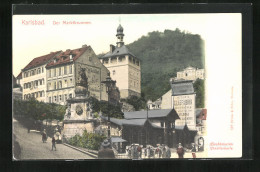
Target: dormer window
x,y
64,57
71,56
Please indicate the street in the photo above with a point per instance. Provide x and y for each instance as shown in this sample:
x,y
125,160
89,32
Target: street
x,y
32,146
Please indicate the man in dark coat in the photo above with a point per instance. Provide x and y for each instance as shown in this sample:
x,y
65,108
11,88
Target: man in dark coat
x,y
180,151
106,151
53,143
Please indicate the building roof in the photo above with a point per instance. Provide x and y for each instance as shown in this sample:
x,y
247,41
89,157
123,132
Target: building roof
x,y
151,114
182,127
64,58
201,114
117,140
121,122
118,51
38,61
182,87
19,76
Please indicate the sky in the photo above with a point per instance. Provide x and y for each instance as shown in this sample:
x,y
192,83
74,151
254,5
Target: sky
x,y
30,41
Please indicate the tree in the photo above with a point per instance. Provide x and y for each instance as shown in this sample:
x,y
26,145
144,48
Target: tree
x,y
114,111
199,87
138,102
36,110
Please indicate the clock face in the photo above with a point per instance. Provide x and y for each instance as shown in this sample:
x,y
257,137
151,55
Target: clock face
x,y
79,110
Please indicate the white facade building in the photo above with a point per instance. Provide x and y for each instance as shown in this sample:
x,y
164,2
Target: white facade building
x,y
33,79
190,73
63,72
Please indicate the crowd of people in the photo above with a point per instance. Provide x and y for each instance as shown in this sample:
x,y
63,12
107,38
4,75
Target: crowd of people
x,y
135,151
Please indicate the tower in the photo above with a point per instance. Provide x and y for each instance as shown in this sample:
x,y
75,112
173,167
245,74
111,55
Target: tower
x,y
124,67
120,36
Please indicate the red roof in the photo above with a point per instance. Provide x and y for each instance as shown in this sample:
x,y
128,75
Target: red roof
x,y
203,114
64,57
41,60
19,76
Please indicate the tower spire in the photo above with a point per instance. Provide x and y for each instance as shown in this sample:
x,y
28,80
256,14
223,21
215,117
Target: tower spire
x,y
120,35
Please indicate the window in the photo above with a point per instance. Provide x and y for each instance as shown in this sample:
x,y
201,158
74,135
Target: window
x,y
38,70
71,81
54,72
162,124
40,81
48,86
114,72
59,71
55,98
59,84
49,99
60,98
36,83
24,97
24,86
54,85
40,93
70,96
65,70
90,59
70,69
42,69
65,95
50,73
43,94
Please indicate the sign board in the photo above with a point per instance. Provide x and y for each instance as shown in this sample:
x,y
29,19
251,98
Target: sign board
x,y
185,108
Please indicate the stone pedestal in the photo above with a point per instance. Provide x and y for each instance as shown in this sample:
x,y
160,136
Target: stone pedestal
x,y
78,115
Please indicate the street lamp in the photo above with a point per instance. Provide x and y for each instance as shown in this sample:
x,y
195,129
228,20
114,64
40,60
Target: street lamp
x,y
147,108
109,84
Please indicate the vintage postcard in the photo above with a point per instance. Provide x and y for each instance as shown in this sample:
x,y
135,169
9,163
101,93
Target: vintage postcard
x,y
127,86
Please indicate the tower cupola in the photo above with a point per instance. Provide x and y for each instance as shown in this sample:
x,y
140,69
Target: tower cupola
x,y
120,36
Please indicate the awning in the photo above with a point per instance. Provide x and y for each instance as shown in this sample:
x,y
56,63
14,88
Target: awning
x,y
117,139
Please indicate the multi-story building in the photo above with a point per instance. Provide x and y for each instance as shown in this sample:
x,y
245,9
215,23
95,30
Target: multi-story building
x,y
34,77
63,73
124,67
190,73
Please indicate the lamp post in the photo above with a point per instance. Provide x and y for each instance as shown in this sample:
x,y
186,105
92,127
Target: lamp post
x,y
146,141
109,84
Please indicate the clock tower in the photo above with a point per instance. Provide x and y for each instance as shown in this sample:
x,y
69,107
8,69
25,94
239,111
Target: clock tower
x,y
78,115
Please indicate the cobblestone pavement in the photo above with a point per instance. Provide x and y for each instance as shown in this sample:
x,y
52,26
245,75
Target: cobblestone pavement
x,y
32,146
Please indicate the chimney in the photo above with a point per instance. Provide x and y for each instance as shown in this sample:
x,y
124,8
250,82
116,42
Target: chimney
x,y
112,48
85,45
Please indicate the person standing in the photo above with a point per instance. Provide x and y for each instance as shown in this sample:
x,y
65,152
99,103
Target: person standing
x,y
168,152
180,151
106,151
164,152
193,150
53,143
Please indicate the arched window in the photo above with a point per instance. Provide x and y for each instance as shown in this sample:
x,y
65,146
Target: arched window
x,y
54,85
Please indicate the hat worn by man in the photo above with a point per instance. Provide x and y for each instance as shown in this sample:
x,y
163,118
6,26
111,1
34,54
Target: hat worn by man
x,y
105,143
